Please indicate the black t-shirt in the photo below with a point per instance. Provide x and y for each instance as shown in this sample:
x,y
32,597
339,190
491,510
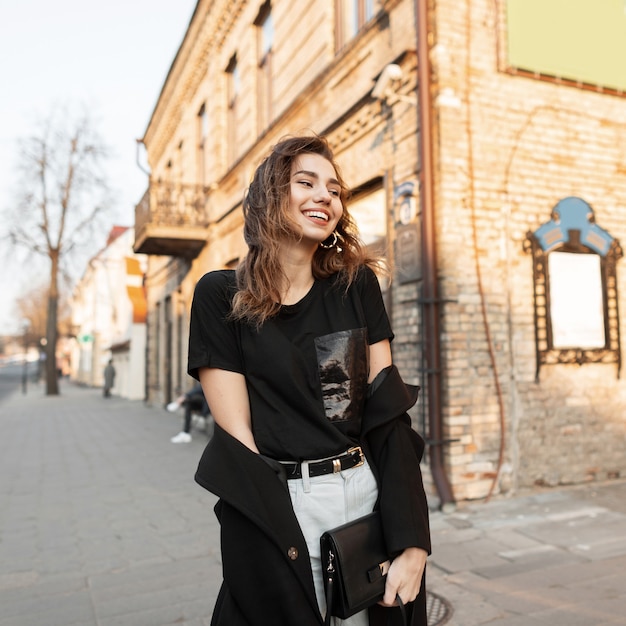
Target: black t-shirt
x,y
306,368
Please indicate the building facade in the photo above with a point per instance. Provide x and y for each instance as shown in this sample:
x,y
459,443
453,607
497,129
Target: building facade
x,y
109,318
468,158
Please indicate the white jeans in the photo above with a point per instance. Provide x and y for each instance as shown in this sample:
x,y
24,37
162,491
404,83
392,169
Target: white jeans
x,y
324,502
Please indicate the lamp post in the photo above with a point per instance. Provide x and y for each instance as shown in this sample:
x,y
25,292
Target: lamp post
x,y
41,364
25,327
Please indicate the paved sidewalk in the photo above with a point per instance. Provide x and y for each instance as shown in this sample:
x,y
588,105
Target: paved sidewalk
x,y
101,524
548,558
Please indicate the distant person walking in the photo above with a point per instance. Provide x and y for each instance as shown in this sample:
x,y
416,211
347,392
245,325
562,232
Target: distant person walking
x,y
109,378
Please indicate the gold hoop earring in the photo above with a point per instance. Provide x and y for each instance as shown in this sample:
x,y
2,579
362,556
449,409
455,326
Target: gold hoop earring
x,y
328,246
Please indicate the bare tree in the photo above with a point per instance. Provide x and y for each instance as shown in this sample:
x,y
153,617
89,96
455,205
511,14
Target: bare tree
x,y
61,193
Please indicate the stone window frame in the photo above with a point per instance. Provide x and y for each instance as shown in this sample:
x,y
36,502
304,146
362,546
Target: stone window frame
x,y
573,229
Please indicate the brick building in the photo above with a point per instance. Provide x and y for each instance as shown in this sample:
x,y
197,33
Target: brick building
x,y
454,181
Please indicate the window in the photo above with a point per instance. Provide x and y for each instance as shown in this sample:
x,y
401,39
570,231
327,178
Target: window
x,y
352,15
156,363
202,132
265,30
234,87
575,288
168,322
576,300
178,173
368,209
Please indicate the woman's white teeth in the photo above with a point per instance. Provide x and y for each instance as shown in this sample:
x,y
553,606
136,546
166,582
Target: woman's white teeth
x,y
318,215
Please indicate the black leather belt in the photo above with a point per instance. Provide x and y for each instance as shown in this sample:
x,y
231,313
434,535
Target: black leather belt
x,y
352,458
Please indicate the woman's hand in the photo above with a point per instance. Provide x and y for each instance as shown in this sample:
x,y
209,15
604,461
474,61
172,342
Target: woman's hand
x,y
405,576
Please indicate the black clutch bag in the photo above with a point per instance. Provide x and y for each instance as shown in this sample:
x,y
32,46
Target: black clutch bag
x,y
352,562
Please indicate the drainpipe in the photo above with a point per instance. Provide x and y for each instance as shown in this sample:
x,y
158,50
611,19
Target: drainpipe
x,y
430,293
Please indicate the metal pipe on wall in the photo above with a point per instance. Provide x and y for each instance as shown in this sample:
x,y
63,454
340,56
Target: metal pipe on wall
x,y
430,293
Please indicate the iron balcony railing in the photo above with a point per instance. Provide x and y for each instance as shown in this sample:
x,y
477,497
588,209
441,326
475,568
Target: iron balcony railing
x,y
170,217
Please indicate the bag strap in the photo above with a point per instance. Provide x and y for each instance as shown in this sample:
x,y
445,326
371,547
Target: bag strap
x,y
402,610
329,589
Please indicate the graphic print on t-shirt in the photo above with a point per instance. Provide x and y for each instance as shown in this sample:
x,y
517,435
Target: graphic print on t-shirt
x,y
342,360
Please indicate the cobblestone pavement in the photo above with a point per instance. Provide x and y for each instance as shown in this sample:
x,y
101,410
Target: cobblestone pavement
x,y
102,524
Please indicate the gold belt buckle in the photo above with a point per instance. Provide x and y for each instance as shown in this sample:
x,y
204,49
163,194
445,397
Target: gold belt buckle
x,y
337,462
361,455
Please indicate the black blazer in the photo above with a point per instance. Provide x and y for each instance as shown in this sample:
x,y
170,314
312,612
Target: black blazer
x,y
266,568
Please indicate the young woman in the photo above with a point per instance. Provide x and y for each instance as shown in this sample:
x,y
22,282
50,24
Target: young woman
x,y
293,353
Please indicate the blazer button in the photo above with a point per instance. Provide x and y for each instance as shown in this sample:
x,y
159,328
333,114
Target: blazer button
x,y
292,553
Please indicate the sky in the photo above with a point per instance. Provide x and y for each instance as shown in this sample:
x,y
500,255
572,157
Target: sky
x,y
112,58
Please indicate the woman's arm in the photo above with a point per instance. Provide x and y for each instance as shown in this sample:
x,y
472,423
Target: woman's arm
x,y
404,576
227,396
380,357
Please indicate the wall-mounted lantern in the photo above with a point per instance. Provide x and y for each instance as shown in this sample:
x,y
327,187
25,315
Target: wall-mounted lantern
x,y
575,288
407,243
404,203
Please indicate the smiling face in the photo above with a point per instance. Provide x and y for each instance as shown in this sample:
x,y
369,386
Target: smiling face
x,y
314,197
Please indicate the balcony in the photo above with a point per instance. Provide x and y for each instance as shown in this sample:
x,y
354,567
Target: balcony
x,y
171,220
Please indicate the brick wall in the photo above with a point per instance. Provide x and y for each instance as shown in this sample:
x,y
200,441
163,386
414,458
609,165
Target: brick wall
x,y
509,148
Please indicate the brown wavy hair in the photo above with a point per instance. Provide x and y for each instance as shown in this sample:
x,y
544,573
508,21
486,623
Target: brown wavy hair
x,y
267,222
